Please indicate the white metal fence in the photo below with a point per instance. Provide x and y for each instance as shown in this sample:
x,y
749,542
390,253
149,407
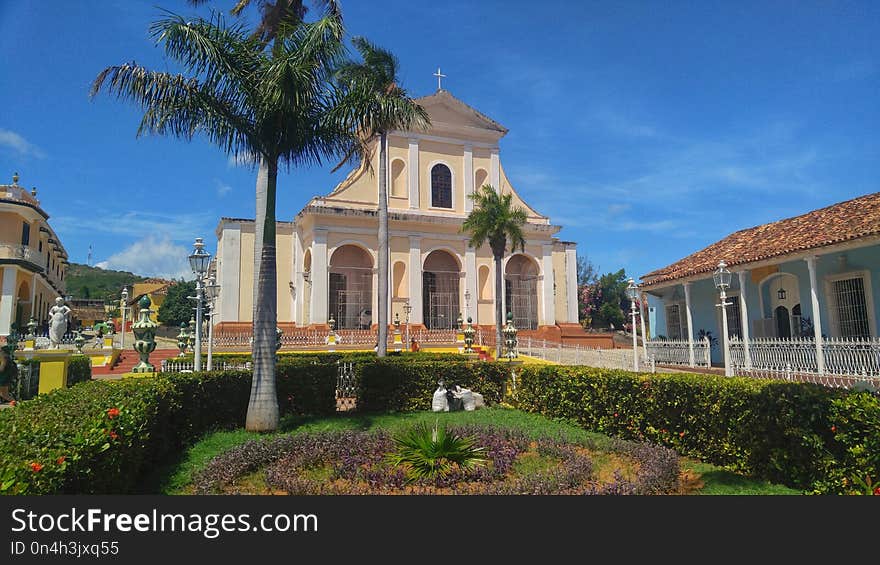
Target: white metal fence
x,y
678,352
577,355
175,366
789,374
843,357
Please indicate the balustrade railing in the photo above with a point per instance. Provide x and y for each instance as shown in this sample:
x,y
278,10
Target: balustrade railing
x,y
24,252
678,352
843,357
588,356
175,366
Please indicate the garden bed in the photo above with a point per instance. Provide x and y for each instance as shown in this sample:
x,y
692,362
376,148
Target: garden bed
x,y
527,453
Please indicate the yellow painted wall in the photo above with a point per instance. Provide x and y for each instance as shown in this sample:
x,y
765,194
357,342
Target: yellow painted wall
x,y
10,228
246,289
284,264
452,156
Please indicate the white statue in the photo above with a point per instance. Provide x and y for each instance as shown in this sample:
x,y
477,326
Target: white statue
x,y
58,316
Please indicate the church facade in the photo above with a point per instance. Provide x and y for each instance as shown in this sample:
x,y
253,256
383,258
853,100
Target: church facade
x,y
327,256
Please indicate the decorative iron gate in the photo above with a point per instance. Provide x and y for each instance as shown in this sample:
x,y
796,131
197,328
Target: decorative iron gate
x,y
521,297
440,301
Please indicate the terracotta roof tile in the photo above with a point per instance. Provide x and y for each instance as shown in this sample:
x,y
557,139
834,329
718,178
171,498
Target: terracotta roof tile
x,y
845,221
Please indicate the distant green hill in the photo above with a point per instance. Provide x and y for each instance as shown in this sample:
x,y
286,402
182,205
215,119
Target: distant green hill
x,y
91,282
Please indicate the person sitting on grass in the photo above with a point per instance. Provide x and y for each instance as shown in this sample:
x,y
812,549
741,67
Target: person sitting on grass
x,y
8,372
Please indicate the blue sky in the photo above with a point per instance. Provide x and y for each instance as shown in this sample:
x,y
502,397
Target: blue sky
x,y
648,130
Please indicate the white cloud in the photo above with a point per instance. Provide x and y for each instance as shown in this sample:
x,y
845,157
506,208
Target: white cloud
x,y
135,223
19,144
151,257
223,189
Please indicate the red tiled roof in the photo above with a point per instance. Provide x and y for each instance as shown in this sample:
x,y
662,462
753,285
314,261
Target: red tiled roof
x,y
845,221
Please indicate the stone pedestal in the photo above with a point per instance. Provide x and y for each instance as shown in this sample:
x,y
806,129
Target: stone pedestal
x,y
108,342
397,341
53,369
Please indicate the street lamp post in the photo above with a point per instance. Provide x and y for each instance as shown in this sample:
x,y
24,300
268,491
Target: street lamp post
x,y
198,261
213,291
407,308
124,308
722,283
633,295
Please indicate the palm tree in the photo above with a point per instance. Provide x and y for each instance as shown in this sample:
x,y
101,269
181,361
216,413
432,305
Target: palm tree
x,y
381,106
269,106
496,220
273,14
277,18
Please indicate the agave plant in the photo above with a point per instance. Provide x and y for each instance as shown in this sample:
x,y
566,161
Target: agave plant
x,y
432,452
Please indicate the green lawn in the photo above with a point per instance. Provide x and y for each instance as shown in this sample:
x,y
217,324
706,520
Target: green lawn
x,y
174,478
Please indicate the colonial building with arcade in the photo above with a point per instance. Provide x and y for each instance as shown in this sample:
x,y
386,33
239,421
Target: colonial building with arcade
x,y
326,256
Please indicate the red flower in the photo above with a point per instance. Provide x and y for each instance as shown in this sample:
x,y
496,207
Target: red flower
x,y
35,467
12,403
833,429
663,431
877,491
61,459
112,413
114,435
615,414
680,434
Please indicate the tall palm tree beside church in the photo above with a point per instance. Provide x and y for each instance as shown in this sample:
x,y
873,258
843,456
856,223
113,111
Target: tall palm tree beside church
x,y
277,19
380,105
495,219
273,106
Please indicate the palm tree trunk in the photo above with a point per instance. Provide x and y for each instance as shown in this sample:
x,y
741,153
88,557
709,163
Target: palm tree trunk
x,y
382,306
262,413
259,221
499,307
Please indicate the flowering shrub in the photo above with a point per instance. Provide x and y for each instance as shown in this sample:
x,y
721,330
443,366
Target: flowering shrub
x,y
102,436
774,430
356,462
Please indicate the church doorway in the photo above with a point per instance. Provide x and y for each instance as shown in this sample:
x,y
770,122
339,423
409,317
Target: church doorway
x,y
350,288
521,291
440,279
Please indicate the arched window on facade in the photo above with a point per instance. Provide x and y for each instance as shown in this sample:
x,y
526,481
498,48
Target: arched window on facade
x,y
441,186
480,177
398,178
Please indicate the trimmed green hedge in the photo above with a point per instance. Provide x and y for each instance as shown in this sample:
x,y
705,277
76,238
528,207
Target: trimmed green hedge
x,y
391,385
79,370
799,434
72,441
330,357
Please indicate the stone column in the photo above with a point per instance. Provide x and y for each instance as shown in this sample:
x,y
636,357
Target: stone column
x,y
690,322
413,169
571,289
229,274
744,317
33,294
549,305
320,280
415,279
468,178
470,272
7,299
495,170
817,317
297,278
